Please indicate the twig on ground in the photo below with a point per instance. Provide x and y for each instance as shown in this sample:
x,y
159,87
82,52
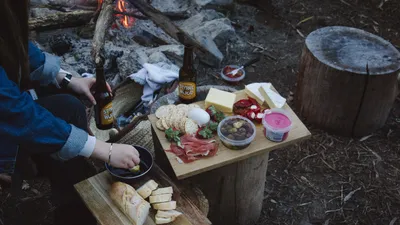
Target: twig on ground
x,y
332,211
393,221
309,156
349,195
374,153
263,49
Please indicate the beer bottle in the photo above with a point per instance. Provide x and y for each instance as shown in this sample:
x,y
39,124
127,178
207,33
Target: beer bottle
x,y
187,78
103,109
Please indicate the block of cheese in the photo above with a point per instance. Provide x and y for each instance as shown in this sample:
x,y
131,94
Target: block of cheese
x,y
273,99
252,90
165,205
162,191
160,198
222,100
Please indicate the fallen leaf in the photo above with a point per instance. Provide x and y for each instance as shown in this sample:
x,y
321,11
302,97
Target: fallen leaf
x,y
305,20
25,185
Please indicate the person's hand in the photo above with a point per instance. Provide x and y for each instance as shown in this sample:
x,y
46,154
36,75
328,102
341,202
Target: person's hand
x,y
82,86
122,156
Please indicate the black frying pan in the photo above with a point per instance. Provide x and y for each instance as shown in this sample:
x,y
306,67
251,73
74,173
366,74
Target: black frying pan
x,y
146,163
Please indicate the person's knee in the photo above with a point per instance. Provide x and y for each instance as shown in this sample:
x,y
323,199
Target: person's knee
x,y
75,109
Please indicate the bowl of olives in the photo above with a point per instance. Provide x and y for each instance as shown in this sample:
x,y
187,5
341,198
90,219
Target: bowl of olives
x,y
236,132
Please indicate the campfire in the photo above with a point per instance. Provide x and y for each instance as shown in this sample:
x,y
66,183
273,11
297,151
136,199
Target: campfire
x,y
134,32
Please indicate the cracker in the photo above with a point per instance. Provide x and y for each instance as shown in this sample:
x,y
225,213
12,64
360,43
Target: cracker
x,y
191,127
164,123
182,125
159,125
162,111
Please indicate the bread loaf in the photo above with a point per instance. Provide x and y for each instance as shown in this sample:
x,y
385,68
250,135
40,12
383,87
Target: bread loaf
x,y
162,191
168,214
147,188
165,205
130,202
160,198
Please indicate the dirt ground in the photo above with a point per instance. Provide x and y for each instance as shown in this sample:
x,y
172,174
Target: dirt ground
x,y
327,179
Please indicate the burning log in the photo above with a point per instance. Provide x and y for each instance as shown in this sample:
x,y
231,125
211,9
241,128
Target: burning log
x,y
61,20
103,24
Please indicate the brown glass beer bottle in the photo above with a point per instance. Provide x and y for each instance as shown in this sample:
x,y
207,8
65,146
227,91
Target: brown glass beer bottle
x,y
103,109
187,78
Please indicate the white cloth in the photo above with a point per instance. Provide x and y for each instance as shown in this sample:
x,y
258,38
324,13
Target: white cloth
x,y
153,76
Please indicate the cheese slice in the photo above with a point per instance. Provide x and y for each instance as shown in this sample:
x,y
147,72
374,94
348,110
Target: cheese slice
x,y
168,214
162,191
162,220
165,205
252,90
273,99
222,100
160,198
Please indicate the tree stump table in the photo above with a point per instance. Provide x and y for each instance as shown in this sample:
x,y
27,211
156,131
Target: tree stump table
x,y
232,181
347,80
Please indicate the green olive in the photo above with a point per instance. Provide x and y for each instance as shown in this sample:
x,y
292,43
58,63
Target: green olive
x,y
238,124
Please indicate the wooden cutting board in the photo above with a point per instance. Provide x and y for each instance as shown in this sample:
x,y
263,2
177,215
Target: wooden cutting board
x,y
227,156
94,192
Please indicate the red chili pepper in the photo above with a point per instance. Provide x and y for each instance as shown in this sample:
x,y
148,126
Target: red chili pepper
x,y
250,115
244,103
253,101
259,117
255,108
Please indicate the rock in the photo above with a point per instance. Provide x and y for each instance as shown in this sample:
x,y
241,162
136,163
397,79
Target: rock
x,y
193,23
220,30
214,2
143,26
212,60
128,63
171,6
157,57
178,50
213,31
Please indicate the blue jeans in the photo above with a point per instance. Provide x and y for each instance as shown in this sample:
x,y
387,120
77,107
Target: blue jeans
x,y
62,175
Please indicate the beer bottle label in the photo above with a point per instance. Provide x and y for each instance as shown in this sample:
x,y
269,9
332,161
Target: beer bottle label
x,y
187,90
107,114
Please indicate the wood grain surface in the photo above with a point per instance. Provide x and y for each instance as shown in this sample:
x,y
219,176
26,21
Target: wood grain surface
x,y
94,192
226,156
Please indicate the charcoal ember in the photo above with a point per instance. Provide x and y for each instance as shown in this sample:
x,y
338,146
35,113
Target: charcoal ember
x,y
60,44
111,60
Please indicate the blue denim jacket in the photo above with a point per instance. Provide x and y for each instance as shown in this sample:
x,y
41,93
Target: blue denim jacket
x,y
24,121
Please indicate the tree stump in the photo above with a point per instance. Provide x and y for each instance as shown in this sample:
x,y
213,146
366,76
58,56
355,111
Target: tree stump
x,y
347,80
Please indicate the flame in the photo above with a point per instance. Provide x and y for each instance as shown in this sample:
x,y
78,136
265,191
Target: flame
x,y
126,21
